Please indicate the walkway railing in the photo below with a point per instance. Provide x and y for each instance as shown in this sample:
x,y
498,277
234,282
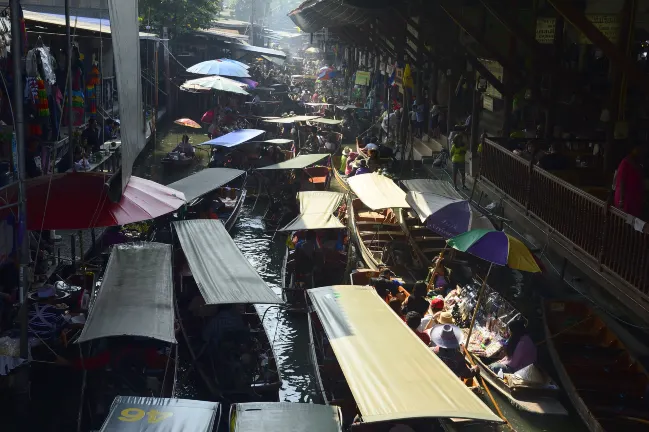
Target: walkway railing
x,y
592,226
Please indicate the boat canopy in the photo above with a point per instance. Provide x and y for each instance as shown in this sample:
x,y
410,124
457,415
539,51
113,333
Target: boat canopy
x,y
134,414
327,121
350,107
439,187
285,416
293,119
234,138
316,211
222,273
136,295
299,162
377,191
205,181
390,372
317,104
279,141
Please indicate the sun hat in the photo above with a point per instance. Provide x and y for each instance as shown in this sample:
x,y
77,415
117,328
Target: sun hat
x,y
446,336
347,151
445,318
437,304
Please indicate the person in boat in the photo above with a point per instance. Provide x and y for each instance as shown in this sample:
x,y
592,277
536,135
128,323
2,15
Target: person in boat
x,y
350,163
417,302
331,143
436,308
520,350
314,140
185,147
446,339
343,159
212,208
395,305
361,168
46,320
227,324
413,320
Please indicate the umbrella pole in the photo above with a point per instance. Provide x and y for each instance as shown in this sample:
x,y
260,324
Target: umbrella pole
x,y
477,306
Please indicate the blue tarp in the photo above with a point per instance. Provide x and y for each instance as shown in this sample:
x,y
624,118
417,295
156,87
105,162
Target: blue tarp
x,y
234,138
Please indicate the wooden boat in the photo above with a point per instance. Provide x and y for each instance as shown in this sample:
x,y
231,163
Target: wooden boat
x,y
606,384
242,367
426,243
484,349
177,160
232,199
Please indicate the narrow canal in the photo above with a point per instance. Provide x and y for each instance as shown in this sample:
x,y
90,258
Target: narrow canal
x,y
289,333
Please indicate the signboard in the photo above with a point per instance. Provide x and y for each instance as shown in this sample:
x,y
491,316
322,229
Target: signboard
x,y
488,103
545,28
362,78
609,25
398,76
496,70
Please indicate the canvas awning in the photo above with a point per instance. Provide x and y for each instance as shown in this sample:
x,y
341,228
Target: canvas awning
x,y
258,50
234,138
377,191
132,413
390,372
312,15
315,104
79,22
205,181
316,211
285,416
222,273
299,162
326,121
279,141
136,295
439,187
274,60
293,119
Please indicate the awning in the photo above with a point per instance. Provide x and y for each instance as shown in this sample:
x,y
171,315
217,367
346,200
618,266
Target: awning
x,y
293,119
258,50
285,416
274,60
136,295
327,121
299,162
316,211
205,181
279,141
377,191
235,138
138,414
222,273
81,23
439,187
313,15
390,372
317,104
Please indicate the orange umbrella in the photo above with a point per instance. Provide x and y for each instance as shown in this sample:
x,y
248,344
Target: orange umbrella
x,y
188,123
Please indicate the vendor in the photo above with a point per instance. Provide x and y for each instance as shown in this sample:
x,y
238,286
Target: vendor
x,y
520,350
90,136
45,319
185,147
446,338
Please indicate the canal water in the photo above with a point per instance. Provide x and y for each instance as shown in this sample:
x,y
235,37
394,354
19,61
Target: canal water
x,y
289,332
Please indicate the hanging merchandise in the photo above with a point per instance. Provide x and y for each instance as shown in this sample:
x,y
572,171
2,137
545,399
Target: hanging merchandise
x,y
41,103
91,87
39,61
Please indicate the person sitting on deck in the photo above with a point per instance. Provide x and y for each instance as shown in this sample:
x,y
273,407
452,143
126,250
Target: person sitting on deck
x,y
227,323
417,301
520,350
446,338
185,147
413,320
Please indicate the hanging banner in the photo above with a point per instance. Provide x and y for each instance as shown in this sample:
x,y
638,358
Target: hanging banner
x,y
608,25
545,28
362,78
488,103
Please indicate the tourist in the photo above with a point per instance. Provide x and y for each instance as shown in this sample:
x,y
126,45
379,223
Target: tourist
x,y
555,160
361,168
90,136
629,187
395,305
458,157
417,301
413,320
520,350
434,119
420,119
446,338
343,159
109,131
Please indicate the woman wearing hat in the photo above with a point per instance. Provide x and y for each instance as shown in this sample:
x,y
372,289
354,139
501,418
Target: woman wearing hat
x,y
446,338
343,159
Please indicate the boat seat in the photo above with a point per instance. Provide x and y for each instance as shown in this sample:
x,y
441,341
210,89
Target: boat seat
x,y
370,215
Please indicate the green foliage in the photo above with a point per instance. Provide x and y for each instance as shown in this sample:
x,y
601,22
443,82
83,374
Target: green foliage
x,y
180,16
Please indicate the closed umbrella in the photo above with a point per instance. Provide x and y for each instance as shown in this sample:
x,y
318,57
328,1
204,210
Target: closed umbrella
x,y
217,83
219,67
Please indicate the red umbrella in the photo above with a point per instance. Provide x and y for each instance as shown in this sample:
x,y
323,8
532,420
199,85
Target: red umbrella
x,y
80,201
208,117
188,123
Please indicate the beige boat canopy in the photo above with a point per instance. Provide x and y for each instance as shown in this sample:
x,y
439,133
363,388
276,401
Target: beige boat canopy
x,y
222,273
293,119
391,373
316,211
326,121
279,141
377,191
439,187
299,162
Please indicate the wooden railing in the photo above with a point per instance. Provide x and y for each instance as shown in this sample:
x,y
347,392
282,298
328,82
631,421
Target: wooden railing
x,y
592,226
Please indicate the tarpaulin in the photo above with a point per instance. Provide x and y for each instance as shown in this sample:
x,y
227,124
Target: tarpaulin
x,y
391,373
316,211
205,181
222,273
234,138
285,416
136,295
299,162
377,191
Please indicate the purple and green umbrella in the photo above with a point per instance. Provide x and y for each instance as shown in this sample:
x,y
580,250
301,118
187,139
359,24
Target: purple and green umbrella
x,y
497,248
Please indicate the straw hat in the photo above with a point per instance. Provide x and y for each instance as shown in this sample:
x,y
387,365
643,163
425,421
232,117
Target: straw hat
x,y
446,318
347,151
446,336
